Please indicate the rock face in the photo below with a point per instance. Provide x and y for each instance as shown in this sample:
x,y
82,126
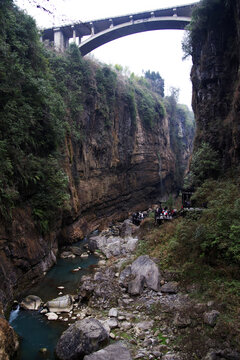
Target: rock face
x,y
216,79
24,254
111,352
81,338
8,340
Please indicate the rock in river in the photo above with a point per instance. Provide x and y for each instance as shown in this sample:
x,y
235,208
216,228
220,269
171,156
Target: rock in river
x,y
31,302
82,338
51,316
60,304
116,351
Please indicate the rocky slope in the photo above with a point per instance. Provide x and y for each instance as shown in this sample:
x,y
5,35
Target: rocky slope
x,y
215,77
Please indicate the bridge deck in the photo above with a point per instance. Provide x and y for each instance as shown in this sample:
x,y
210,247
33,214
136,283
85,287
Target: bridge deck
x,y
86,28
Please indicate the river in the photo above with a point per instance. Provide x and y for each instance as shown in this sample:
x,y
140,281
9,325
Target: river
x,y
34,329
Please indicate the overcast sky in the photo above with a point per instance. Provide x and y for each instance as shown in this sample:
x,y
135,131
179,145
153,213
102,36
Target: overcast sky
x,y
158,50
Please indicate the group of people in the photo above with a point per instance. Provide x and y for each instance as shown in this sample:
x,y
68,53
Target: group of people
x,y
160,214
137,217
164,214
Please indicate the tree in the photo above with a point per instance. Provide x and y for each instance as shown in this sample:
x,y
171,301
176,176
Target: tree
x,y
157,82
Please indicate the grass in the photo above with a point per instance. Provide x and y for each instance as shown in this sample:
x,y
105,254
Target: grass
x,y
219,283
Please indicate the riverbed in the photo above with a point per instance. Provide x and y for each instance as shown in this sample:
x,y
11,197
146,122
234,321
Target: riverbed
x,y
34,329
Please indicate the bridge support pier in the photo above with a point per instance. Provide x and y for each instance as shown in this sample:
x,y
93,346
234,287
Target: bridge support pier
x,y
60,41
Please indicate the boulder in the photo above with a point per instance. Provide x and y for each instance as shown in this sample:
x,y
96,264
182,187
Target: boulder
x,y
113,248
171,287
31,302
144,325
66,255
113,312
130,245
210,318
126,228
84,255
60,304
144,272
112,352
136,285
82,338
182,320
171,357
75,250
112,323
96,243
112,245
100,288
125,276
51,316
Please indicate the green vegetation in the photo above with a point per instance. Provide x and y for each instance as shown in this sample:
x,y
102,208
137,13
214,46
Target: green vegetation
x,y
203,248
156,81
150,108
207,15
31,127
205,164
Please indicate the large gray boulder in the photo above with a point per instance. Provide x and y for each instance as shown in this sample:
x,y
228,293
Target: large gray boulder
x,y
144,272
82,338
60,304
97,242
31,302
112,352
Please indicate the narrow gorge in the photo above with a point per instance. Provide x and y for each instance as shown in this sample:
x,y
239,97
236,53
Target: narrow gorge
x,y
83,147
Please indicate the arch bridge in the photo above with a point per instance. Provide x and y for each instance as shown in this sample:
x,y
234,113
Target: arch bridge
x,y
102,31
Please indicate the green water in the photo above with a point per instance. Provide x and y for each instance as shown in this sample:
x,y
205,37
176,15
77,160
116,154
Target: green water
x,y
34,329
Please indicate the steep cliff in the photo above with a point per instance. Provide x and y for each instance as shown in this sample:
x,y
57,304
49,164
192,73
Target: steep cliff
x,y
127,162
215,37
80,145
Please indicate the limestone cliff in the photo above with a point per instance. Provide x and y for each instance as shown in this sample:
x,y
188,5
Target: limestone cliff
x,y
116,169
216,77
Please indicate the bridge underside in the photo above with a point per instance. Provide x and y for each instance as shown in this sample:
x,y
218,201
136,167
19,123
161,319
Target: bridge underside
x,y
105,30
119,31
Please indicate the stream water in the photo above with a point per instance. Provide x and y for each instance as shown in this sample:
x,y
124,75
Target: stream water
x,y
34,329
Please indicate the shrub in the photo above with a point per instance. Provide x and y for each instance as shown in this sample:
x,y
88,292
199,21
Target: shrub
x,y
214,235
204,165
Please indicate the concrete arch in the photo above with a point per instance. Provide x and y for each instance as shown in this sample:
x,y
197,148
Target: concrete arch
x,y
133,27
105,30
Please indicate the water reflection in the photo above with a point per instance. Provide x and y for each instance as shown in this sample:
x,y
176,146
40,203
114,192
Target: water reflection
x,y
34,329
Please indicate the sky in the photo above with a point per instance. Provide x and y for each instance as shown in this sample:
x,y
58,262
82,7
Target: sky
x,y
158,50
